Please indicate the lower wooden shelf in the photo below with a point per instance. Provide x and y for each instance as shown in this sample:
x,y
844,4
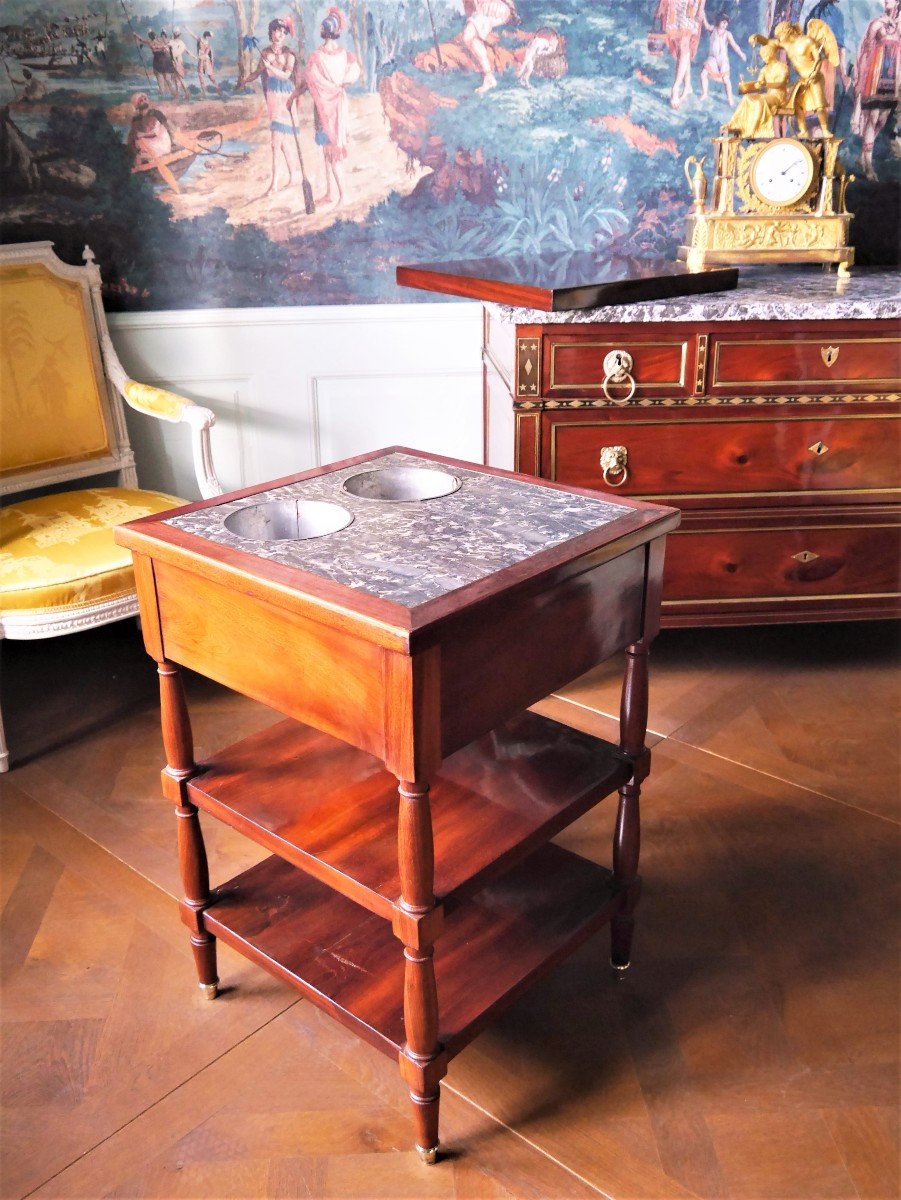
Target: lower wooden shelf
x,y
348,962
331,809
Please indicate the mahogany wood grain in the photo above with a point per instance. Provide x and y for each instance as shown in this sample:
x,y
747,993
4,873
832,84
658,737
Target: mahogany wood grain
x,y
192,860
788,358
488,663
416,868
349,963
732,565
575,363
333,811
305,670
409,686
678,458
579,281
730,447
412,716
740,358
633,723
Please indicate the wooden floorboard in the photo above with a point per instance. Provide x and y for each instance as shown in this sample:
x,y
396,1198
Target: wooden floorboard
x,y
751,1052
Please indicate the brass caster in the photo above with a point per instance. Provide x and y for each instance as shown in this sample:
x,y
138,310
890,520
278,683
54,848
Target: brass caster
x,y
620,966
210,990
430,1156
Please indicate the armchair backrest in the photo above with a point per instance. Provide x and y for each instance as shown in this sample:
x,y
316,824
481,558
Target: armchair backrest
x,y
59,418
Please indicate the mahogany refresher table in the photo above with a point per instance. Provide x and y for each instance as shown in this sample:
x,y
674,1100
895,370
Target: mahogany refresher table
x,y
403,612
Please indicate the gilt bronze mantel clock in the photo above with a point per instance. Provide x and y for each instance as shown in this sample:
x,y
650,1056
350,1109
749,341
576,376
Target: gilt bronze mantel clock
x,y
778,194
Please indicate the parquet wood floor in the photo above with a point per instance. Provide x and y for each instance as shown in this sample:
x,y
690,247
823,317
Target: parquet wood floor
x,y
750,1053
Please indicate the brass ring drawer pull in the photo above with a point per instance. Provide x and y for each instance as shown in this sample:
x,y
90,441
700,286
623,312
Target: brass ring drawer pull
x,y
617,368
614,461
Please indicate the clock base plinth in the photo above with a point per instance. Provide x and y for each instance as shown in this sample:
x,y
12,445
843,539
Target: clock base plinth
x,y
746,238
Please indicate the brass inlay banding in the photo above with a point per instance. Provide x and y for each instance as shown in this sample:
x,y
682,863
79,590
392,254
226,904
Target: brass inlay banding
x,y
517,455
701,369
528,366
789,599
690,402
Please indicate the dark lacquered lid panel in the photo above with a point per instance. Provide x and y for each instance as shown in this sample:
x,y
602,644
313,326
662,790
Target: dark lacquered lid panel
x,y
566,281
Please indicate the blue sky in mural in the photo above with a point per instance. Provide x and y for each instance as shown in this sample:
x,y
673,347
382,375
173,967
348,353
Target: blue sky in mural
x,y
426,129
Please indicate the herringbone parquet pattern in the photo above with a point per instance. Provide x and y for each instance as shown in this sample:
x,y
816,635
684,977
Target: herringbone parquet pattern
x,y
751,1052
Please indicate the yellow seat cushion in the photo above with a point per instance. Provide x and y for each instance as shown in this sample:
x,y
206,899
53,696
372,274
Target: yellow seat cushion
x,y
57,552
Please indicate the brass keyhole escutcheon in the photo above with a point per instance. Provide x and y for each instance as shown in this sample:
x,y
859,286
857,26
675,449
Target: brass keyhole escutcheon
x,y
617,373
805,556
829,354
614,461
818,448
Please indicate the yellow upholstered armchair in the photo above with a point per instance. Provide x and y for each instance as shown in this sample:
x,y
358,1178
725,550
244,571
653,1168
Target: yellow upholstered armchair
x,y
62,420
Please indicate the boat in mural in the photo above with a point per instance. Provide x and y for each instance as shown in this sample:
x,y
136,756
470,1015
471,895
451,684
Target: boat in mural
x,y
292,152
170,167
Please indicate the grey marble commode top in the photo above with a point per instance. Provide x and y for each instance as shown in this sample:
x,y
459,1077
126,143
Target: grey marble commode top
x,y
414,551
763,294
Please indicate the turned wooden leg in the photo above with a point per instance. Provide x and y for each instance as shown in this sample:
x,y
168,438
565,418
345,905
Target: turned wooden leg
x,y
627,837
195,876
422,1063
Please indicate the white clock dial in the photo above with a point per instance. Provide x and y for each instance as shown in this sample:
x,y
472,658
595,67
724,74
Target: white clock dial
x,y
782,172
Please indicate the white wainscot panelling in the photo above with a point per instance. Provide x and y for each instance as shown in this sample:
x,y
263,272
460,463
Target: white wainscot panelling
x,y
293,388
438,413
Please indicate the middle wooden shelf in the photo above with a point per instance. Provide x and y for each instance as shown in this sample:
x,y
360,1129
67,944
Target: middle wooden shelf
x,y
331,809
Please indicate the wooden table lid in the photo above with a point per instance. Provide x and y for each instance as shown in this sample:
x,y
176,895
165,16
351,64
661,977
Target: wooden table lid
x,y
573,281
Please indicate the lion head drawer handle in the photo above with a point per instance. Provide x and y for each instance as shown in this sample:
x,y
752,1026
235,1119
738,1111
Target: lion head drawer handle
x,y
617,367
615,461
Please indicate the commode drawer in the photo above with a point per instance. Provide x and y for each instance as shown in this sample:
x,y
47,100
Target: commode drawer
x,y
798,364
721,457
575,364
726,566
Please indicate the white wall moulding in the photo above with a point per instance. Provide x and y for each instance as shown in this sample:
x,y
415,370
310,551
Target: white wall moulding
x,y
295,387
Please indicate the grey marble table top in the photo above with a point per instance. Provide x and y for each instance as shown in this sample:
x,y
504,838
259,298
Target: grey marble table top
x,y
763,294
414,551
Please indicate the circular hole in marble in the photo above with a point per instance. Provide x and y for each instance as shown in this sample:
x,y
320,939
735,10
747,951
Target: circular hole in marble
x,y
402,483
288,520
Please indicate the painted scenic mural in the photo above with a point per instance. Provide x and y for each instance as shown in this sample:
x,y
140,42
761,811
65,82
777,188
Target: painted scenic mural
x,y
260,152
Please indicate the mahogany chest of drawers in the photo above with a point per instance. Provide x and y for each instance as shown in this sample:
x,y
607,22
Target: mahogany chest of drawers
x,y
769,415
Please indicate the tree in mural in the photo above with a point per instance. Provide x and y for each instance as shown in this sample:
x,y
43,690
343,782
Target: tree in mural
x,y
246,14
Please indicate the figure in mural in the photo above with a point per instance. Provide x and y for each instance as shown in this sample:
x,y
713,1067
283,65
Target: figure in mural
x,y
150,135
877,80
806,51
162,66
483,17
178,52
682,22
330,70
278,69
545,55
778,11
762,97
205,61
830,12
716,65
33,89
